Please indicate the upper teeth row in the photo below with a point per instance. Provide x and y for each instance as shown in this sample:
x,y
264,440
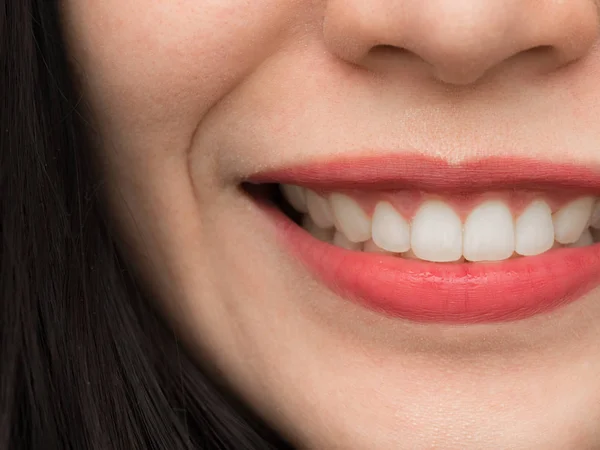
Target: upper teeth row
x,y
436,233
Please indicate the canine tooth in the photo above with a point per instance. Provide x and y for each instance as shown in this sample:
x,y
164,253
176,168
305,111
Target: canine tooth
x,y
296,196
572,219
371,247
342,241
322,234
350,218
595,219
409,255
319,209
390,230
436,233
584,240
534,230
489,233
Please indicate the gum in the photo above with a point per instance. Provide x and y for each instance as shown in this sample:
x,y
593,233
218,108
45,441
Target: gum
x,y
407,202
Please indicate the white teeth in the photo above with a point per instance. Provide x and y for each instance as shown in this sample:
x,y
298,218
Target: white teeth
x,y
572,219
390,231
296,196
595,219
350,218
322,234
534,230
489,233
436,233
584,240
319,209
342,241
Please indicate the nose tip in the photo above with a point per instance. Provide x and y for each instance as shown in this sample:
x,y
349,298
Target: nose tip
x,y
462,40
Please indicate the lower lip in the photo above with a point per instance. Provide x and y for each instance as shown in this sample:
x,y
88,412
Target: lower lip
x,y
445,293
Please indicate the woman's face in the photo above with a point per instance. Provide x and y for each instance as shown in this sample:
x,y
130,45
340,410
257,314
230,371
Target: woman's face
x,y
437,130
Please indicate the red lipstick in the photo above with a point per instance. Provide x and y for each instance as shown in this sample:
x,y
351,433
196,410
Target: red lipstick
x,y
435,175
438,292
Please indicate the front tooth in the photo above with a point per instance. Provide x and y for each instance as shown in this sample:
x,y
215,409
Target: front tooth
x,y
319,209
534,230
390,231
342,241
322,234
584,240
489,233
350,218
571,220
296,196
436,233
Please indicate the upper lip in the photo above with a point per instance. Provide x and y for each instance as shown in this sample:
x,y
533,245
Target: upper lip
x,y
408,171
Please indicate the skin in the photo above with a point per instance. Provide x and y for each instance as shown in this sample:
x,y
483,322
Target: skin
x,y
189,97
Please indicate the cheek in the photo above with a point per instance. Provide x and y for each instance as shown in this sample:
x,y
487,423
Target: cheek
x,y
151,67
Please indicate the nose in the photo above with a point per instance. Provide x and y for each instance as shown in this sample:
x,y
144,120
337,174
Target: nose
x,y
462,40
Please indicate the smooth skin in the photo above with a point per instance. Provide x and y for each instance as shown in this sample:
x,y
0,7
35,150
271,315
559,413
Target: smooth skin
x,y
190,97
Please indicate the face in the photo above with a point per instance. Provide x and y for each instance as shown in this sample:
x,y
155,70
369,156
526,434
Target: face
x,y
447,155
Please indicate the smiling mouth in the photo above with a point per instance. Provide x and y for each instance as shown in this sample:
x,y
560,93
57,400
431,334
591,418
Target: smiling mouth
x,y
426,241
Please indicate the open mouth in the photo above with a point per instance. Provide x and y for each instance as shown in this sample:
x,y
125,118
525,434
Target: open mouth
x,y
431,242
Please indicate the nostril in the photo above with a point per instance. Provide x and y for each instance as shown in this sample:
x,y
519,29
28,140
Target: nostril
x,y
384,48
541,59
390,58
540,51
392,52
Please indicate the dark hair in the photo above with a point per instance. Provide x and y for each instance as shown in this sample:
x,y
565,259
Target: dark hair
x,y
85,362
